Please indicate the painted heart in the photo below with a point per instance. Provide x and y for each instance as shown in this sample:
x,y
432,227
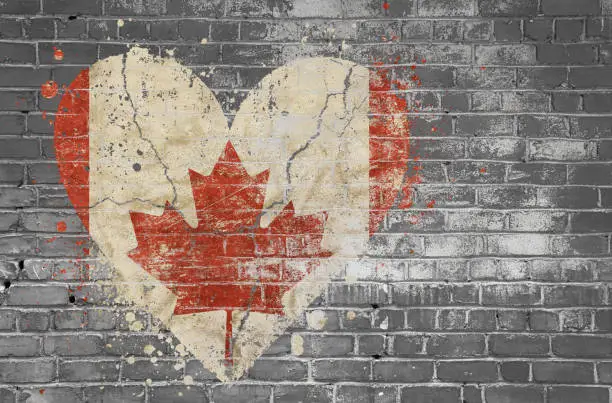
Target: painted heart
x,y
228,234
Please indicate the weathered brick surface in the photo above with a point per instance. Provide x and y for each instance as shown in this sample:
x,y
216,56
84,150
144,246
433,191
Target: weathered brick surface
x,y
500,292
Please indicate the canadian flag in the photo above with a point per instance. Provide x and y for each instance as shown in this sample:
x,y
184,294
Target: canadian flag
x,y
227,234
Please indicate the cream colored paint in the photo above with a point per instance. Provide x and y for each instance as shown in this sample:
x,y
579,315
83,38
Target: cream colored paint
x,y
308,118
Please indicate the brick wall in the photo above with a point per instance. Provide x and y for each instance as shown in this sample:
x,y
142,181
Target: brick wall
x,y
500,293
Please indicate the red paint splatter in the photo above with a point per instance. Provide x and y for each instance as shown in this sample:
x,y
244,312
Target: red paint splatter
x,y
71,141
483,170
49,89
431,204
389,146
58,54
242,264
386,5
41,391
61,226
483,68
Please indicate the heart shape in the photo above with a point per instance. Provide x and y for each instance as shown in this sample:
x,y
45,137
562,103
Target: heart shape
x,y
130,128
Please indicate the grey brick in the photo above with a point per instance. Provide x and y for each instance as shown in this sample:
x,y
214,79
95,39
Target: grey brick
x,y
510,294
564,54
570,8
178,393
196,55
241,393
507,30
17,101
416,294
467,371
9,222
324,346
134,31
76,53
10,28
357,294
547,126
19,346
514,371
73,345
581,346
115,394
38,295
20,7
164,30
316,8
460,345
534,173
496,148
341,370
133,344
224,31
475,172
214,8
89,371
505,54
34,321
567,394
40,28
604,372
43,173
92,7
573,295
24,371
598,103
365,394
495,8
302,393
525,102
489,126
566,102
102,29
529,394
401,8
569,30
542,77
23,77
593,174
416,29
477,30
407,345
509,345
539,30
194,30
430,8
402,371
145,369
563,372
449,31
278,370
591,77
71,29
373,345
142,7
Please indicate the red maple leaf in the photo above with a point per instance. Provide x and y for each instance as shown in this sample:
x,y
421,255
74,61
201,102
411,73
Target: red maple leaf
x,y
228,262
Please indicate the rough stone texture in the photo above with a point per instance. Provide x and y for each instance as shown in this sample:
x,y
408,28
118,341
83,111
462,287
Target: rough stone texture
x,y
501,293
